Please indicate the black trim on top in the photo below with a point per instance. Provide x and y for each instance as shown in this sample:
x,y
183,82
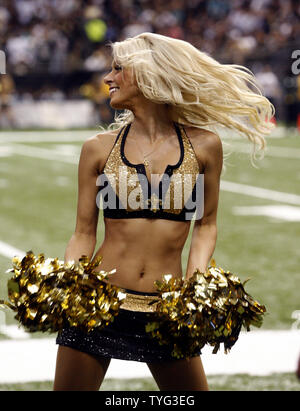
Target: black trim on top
x,y
148,212
139,165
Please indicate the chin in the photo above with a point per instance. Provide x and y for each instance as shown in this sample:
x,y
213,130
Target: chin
x,y
118,105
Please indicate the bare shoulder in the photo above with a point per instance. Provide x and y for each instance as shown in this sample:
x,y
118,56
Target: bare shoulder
x,y
204,138
101,141
96,148
207,145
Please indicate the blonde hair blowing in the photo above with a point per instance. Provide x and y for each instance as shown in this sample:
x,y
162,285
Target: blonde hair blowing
x,y
199,91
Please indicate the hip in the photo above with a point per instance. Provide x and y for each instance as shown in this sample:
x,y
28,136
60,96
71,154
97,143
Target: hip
x,y
126,337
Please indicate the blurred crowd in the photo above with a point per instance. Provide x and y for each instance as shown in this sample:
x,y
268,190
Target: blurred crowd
x,y
59,38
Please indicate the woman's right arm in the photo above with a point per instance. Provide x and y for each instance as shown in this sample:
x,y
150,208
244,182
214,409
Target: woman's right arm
x,y
84,238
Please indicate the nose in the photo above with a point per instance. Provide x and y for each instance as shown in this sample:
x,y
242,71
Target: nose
x,y
108,78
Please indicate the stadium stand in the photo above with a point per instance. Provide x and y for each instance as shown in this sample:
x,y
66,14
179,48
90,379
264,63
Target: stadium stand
x,y
57,50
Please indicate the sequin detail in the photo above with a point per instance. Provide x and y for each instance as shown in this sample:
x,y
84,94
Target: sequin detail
x,y
139,302
125,338
134,196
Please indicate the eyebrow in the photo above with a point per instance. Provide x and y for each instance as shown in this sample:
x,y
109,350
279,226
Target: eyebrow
x,y
115,63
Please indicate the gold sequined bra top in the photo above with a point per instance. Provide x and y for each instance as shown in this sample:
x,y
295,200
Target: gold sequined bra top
x,y
126,192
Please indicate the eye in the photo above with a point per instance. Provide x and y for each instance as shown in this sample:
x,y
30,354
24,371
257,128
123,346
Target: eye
x,y
117,67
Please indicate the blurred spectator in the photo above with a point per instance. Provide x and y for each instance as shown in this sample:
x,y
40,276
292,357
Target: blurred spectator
x,y
46,31
7,89
51,93
65,37
99,60
270,85
98,92
4,18
292,98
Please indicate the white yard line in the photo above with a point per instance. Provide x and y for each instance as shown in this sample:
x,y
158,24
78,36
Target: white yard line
x,y
280,212
45,136
13,331
278,132
259,192
43,153
271,151
9,251
6,151
255,353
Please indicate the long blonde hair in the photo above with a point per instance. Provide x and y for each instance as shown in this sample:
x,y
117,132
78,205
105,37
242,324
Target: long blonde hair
x,y
198,90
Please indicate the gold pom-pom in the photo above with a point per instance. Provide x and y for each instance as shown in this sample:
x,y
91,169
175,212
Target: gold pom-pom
x,y
48,294
208,308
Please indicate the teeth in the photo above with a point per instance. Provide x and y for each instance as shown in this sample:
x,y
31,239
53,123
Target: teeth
x,y
112,90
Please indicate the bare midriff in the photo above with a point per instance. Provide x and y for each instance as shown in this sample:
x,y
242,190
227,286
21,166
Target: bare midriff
x,y
142,251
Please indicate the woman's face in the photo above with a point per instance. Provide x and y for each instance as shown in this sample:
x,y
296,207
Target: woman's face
x,y
123,90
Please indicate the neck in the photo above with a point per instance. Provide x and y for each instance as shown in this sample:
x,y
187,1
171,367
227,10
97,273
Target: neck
x,y
151,120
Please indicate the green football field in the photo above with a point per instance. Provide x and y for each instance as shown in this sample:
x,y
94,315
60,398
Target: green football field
x,y
258,217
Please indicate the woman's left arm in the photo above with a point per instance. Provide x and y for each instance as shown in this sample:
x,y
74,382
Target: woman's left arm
x,y
204,234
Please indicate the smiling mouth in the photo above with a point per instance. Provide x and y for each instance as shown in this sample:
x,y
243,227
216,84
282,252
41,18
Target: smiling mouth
x,y
113,90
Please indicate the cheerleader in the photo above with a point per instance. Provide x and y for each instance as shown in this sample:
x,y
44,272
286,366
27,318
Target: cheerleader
x,y
157,168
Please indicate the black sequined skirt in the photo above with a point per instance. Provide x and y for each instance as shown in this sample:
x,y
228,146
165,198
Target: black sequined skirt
x,y
125,338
